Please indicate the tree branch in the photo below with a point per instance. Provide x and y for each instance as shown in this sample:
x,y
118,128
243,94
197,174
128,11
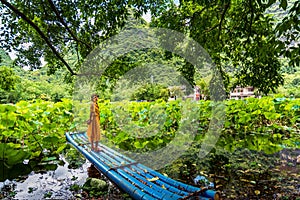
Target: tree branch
x,y
38,30
200,11
251,21
226,6
212,28
75,38
53,7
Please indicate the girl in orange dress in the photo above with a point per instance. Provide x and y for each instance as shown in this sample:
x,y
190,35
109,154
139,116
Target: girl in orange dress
x,y
93,131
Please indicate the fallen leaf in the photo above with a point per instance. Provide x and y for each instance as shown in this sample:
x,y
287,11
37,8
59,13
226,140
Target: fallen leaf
x,y
152,179
253,182
291,187
244,180
219,186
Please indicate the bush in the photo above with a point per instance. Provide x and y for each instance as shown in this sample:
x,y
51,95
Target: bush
x,y
151,92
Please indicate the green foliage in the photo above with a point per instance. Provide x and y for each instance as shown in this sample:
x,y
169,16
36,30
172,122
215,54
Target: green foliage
x,y
288,31
11,154
176,91
5,60
8,79
35,85
140,126
265,124
95,187
138,68
291,87
296,82
204,89
238,35
151,92
261,124
34,130
74,158
54,28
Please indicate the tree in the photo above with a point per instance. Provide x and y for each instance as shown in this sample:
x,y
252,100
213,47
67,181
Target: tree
x,y
151,92
7,78
52,28
203,87
238,34
287,32
5,60
239,37
33,84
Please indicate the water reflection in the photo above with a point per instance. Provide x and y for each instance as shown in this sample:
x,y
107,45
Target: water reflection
x,y
36,181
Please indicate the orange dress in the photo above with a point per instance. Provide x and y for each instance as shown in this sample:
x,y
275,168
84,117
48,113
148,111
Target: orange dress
x,y
93,131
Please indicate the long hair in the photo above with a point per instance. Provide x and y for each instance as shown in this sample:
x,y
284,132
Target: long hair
x,y
94,95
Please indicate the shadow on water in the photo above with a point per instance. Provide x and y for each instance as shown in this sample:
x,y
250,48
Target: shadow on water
x,y
21,170
14,171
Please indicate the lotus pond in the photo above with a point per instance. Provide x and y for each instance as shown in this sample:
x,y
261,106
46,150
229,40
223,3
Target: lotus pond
x,y
242,174
255,157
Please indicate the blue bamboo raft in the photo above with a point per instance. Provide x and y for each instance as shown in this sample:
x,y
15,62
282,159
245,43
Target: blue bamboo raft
x,y
139,181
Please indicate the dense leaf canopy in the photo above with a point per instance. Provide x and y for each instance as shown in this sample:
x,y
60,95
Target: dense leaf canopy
x,y
239,36
243,40
7,78
51,28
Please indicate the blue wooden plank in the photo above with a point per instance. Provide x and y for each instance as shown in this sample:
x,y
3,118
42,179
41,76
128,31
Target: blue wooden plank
x,y
161,183
173,182
133,177
133,191
166,194
129,160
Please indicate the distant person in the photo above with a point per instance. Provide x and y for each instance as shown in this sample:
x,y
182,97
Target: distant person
x,y
93,131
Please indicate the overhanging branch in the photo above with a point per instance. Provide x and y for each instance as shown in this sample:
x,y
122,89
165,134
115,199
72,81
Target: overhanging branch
x,y
38,30
53,7
226,6
75,38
